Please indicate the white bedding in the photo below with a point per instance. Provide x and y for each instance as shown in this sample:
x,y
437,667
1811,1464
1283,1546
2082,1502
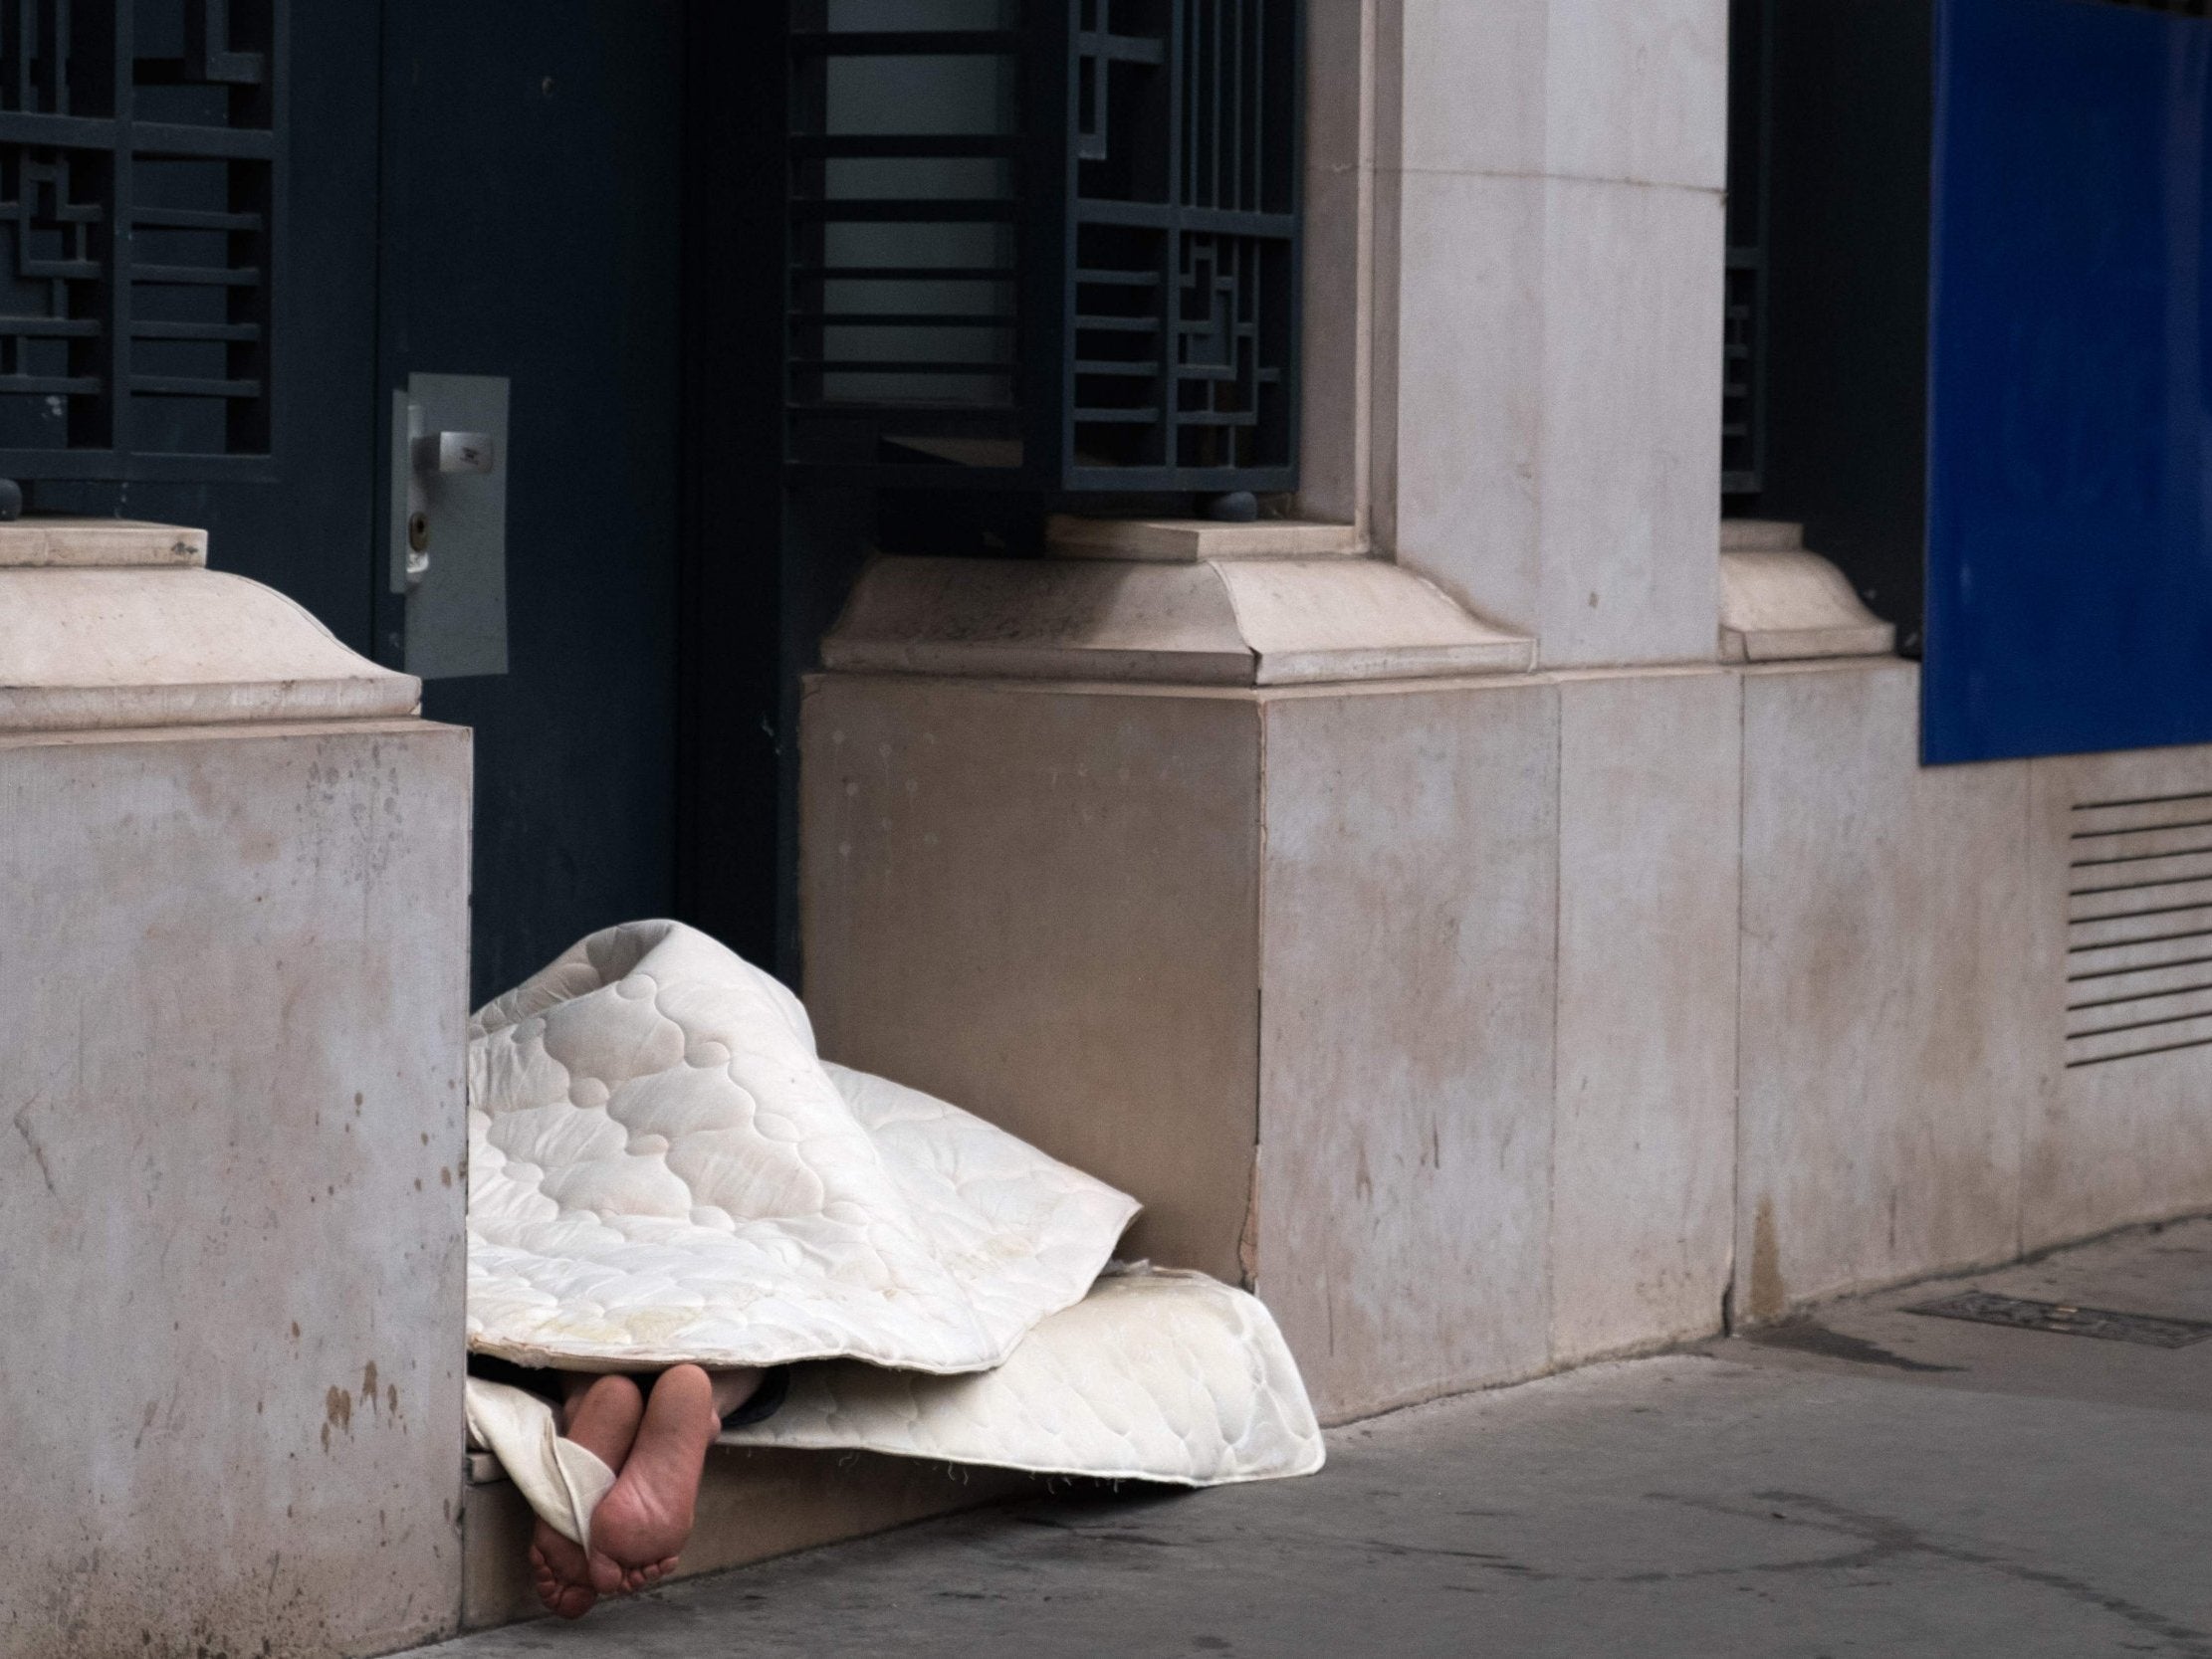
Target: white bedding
x,y
662,1170
1153,1376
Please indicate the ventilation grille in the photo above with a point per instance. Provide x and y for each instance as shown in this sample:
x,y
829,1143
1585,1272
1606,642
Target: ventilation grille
x,y
2138,973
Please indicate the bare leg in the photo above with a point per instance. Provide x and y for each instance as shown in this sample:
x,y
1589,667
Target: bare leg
x,y
601,1414
734,1388
643,1524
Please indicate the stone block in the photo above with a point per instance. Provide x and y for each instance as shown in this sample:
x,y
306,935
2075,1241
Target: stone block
x,y
1193,940
1629,522
232,1202
1408,914
1460,386
1569,88
1895,1018
1637,92
1040,902
1547,395
1461,88
1643,1165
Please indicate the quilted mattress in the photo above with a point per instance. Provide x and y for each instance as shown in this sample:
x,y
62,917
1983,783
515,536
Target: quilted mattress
x,y
661,1170
1154,1377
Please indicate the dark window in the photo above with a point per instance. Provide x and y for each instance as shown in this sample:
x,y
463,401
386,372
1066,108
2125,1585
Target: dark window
x,y
139,186
1743,394
1045,244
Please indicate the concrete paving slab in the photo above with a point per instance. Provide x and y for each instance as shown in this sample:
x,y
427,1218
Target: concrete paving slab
x,y
2046,1498
2162,1271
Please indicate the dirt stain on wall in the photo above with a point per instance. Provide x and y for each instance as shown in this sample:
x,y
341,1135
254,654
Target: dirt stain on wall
x,y
1769,1296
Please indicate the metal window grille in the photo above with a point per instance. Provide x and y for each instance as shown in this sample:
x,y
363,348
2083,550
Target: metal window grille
x,y
1744,407
1045,244
140,160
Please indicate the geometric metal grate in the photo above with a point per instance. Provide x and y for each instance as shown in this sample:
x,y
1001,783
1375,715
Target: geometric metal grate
x,y
140,164
1743,410
1044,244
2139,927
1987,1308
1743,378
1186,236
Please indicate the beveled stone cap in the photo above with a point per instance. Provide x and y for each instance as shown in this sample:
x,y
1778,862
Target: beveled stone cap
x,y
106,623
1190,540
1236,622
1781,603
104,543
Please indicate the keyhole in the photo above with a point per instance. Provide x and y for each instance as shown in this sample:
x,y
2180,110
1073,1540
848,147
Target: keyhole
x,y
419,531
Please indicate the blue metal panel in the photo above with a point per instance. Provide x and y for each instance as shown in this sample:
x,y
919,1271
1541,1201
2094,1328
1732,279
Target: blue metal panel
x,y
2070,439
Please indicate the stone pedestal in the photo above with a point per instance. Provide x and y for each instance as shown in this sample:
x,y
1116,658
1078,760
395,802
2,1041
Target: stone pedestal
x,y
1406,998
234,900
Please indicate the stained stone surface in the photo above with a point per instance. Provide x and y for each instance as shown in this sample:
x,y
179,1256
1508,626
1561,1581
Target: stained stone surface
x,y
231,1188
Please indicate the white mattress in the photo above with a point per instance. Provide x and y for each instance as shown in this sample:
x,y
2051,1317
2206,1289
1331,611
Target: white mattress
x,y
1154,1377
661,1170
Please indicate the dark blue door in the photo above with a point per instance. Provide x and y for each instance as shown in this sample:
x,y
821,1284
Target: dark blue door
x,y
2070,481
532,162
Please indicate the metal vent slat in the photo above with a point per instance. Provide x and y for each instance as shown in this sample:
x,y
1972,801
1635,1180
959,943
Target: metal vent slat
x,y
2172,867
2152,899
2142,1013
2128,930
2139,928
2144,814
2117,988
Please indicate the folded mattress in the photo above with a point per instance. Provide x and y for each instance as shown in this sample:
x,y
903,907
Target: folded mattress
x,y
662,1170
1154,1377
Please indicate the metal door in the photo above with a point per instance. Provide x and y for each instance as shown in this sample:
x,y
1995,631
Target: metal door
x,y
2070,387
528,231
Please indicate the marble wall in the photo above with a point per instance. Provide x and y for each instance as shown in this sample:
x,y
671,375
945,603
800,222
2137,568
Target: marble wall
x,y
1643,1170
1040,902
1489,1025
1406,977
1492,1025
231,1201
1410,1003
1894,1029
1546,273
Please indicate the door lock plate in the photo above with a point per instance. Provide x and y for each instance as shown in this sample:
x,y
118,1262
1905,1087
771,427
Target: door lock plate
x,y
449,523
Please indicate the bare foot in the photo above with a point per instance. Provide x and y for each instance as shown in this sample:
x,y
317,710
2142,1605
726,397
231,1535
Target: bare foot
x,y
603,1417
561,1572
642,1525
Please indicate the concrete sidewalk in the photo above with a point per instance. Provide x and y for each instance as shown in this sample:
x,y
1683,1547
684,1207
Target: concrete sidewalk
x,y
1875,1482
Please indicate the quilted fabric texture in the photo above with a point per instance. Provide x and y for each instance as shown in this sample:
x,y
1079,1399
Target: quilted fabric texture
x,y
661,1170
1155,1375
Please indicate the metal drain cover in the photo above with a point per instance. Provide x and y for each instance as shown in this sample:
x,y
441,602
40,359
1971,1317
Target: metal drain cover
x,y
1987,1308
